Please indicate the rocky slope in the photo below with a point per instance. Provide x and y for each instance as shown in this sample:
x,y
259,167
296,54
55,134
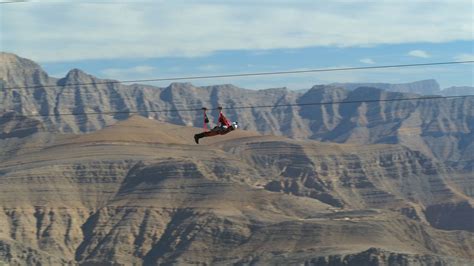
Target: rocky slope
x,y
455,91
397,190
440,128
424,87
140,192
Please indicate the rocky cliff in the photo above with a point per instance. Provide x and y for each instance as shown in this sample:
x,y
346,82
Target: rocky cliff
x,y
140,192
425,87
441,128
384,183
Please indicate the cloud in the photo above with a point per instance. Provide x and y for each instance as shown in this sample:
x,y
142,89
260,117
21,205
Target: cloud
x,y
367,61
419,53
209,68
124,73
57,31
464,57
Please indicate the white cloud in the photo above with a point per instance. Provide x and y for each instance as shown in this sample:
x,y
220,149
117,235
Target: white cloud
x,y
419,53
56,31
464,57
367,61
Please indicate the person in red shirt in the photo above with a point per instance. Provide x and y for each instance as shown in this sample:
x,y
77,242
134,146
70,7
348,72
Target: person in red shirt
x,y
224,126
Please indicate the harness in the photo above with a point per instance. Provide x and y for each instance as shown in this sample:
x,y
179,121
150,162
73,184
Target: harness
x,y
222,119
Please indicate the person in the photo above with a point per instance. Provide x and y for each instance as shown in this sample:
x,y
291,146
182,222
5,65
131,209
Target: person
x,y
217,130
223,127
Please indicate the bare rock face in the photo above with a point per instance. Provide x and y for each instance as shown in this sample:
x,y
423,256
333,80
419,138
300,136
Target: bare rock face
x,y
425,87
18,71
440,127
391,183
14,126
457,91
344,175
451,216
133,197
16,253
375,256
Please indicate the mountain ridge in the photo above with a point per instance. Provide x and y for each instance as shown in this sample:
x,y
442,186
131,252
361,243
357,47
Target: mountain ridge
x,y
88,199
379,181
434,129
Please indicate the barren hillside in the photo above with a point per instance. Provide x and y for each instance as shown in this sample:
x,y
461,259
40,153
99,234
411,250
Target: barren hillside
x,y
440,128
140,191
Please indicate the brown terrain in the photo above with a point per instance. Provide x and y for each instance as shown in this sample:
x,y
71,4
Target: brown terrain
x,y
391,184
141,192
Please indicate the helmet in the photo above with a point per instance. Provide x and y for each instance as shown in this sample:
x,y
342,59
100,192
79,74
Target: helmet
x,y
235,125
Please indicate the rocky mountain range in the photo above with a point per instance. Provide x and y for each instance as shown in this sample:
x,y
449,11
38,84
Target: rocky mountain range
x,y
368,182
424,87
141,192
439,127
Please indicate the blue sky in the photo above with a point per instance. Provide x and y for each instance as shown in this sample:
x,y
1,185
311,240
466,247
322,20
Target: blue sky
x,y
144,39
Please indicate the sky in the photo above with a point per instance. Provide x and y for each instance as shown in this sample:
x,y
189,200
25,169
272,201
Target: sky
x,y
127,40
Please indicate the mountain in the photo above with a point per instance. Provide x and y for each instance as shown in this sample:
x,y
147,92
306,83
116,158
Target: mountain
x,y
457,91
141,192
424,87
376,180
18,71
441,128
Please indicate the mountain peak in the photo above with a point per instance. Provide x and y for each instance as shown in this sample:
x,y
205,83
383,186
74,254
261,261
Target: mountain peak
x,y
9,61
15,70
77,74
426,86
8,57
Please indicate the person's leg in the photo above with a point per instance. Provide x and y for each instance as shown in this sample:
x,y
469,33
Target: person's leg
x,y
203,135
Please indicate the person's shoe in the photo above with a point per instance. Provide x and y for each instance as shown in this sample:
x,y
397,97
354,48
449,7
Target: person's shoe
x,y
196,139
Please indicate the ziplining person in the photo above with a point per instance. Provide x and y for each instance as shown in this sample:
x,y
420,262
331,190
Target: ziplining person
x,y
223,127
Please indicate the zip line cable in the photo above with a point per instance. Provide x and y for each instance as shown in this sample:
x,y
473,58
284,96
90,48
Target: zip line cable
x,y
239,107
250,74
